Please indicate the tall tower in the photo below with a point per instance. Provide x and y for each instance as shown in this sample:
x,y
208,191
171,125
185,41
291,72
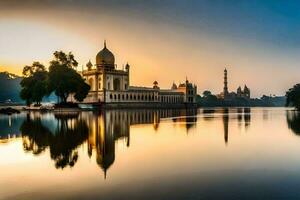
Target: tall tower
x,y
225,90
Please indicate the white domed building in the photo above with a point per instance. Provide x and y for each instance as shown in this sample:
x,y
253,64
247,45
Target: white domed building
x,y
111,86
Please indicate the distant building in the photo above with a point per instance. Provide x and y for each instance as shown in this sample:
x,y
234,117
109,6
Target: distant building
x,y
240,93
245,93
111,85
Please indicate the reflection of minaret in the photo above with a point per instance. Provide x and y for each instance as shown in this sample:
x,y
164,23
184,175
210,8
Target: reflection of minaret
x,y
225,90
225,124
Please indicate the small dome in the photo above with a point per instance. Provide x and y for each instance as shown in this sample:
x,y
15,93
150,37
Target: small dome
x,y
174,86
105,56
89,65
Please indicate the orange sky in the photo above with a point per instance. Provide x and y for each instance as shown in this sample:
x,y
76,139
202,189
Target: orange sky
x,y
156,50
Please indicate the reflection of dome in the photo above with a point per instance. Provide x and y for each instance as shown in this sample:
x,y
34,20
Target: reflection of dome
x,y
105,56
105,161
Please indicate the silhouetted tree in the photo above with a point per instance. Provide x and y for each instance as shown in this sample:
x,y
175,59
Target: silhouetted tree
x,y
208,99
293,96
34,85
64,80
29,70
206,93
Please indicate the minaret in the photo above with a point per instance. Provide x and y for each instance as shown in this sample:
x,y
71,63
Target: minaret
x,y
225,90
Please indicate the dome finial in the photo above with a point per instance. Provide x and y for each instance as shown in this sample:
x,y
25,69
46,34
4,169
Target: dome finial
x,y
105,57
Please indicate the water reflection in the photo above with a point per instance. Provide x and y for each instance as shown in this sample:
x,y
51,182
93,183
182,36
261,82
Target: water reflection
x,y
107,127
247,117
210,150
71,131
9,126
63,133
225,124
293,121
240,114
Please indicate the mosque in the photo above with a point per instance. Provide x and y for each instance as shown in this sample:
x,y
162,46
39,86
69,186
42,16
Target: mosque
x,y
240,93
110,85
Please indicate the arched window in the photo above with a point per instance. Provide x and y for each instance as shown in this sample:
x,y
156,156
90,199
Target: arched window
x,y
116,84
110,96
91,83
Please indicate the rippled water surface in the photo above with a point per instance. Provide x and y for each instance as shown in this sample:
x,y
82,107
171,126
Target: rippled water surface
x,y
235,153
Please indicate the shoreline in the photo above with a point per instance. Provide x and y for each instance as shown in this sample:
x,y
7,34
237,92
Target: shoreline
x,y
129,107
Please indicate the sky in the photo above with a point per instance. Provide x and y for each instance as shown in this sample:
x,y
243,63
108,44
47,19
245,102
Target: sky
x,y
165,40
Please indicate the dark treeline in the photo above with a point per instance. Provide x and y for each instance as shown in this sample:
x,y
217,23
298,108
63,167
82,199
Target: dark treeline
x,y
10,88
209,100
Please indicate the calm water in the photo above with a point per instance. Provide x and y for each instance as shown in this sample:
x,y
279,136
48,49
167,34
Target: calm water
x,y
236,153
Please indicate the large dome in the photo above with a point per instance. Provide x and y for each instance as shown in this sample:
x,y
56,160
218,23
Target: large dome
x,y
105,57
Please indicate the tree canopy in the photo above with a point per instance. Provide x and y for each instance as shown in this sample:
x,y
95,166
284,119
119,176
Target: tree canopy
x,y
29,70
64,80
206,93
293,96
34,85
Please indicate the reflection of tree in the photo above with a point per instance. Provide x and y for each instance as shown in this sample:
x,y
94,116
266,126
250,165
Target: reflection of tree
x,y
69,134
208,113
293,121
35,135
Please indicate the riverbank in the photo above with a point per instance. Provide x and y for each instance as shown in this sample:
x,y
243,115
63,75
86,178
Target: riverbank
x,y
121,106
